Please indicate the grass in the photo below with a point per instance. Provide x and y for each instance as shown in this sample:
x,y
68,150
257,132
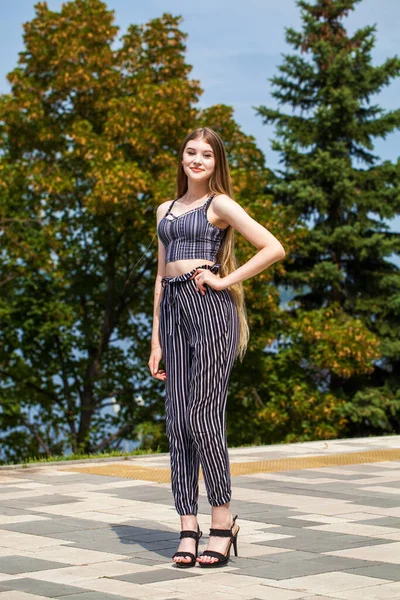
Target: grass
x,y
57,458
113,453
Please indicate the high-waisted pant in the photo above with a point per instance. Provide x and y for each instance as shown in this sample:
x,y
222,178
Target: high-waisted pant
x,y
198,337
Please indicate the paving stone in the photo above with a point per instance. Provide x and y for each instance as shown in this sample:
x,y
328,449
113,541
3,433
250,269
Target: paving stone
x,y
300,568
93,596
147,540
149,492
124,545
378,502
110,546
241,562
86,535
302,532
43,588
75,523
288,557
52,499
391,484
325,543
14,564
7,489
150,537
317,493
297,522
50,528
389,522
311,474
380,570
303,488
262,515
8,511
158,575
151,562
161,556
4,587
65,478
23,506
365,468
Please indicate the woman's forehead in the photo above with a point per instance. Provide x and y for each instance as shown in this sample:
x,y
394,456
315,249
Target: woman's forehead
x,y
198,145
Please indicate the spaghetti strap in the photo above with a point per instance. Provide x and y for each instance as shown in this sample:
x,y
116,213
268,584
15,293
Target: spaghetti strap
x,y
207,204
170,206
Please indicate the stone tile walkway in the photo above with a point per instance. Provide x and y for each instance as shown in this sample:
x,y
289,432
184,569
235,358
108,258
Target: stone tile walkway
x,y
318,533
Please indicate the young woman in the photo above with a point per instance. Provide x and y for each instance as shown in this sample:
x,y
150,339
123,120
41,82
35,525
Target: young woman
x,y
199,329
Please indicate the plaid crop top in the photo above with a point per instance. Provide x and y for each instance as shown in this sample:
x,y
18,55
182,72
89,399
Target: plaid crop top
x,y
190,235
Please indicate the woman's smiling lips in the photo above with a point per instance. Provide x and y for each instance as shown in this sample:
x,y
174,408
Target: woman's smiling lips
x,y
196,169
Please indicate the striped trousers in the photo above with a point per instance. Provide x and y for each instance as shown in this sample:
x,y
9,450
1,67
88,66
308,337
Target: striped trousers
x,y
198,337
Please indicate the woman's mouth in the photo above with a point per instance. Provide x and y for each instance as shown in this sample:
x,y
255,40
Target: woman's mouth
x,y
197,170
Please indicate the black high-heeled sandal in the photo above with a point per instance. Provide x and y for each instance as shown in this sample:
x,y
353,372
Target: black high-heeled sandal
x,y
185,534
222,558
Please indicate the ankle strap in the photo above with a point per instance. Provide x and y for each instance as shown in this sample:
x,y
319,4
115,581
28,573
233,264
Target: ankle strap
x,y
223,532
186,533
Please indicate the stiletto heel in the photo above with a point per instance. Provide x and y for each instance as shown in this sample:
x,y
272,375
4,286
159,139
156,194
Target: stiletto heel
x,y
235,544
222,558
195,535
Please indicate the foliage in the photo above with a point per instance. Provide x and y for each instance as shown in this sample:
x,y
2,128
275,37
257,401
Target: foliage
x,y
89,136
339,355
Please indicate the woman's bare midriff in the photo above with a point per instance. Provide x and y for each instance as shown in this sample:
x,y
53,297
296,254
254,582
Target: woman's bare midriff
x,y
179,267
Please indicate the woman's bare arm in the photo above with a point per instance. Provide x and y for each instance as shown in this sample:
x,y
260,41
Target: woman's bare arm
x,y
158,291
270,250
156,352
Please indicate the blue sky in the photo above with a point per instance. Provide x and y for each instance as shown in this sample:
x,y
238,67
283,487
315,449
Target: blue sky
x,y
234,48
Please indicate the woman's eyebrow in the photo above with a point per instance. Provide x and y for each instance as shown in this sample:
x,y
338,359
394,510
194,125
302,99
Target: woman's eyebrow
x,y
191,148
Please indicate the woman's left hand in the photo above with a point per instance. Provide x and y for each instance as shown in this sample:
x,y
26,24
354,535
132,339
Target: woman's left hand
x,y
205,276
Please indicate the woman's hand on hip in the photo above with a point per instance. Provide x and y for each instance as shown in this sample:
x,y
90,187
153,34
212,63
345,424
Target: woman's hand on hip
x,y
154,361
205,276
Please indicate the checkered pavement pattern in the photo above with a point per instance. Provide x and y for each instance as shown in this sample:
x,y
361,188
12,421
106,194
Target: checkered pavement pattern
x,y
316,533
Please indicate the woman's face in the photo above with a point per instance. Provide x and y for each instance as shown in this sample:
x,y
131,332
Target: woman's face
x,y
198,160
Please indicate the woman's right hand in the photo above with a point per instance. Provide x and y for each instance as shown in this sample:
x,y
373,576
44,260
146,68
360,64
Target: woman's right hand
x,y
154,361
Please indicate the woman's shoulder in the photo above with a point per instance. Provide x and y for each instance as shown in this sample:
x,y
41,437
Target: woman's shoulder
x,y
222,209
162,208
223,202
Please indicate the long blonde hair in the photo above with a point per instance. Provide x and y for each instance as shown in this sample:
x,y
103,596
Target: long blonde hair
x,y
220,183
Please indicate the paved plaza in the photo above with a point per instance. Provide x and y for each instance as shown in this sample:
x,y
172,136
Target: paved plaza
x,y
318,520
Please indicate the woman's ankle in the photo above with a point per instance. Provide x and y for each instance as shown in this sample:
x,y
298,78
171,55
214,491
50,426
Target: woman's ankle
x,y
189,522
221,517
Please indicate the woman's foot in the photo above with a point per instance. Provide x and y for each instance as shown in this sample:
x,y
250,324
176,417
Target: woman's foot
x,y
188,544
221,519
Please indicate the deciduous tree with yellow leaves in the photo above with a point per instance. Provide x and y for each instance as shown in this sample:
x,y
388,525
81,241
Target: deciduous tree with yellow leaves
x,y
89,137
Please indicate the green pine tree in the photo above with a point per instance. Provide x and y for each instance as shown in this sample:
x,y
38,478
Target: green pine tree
x,y
340,357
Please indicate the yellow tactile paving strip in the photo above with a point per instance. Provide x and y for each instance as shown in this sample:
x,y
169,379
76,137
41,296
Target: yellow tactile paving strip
x,y
163,475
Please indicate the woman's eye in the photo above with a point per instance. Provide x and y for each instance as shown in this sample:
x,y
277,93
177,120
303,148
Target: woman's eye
x,y
205,156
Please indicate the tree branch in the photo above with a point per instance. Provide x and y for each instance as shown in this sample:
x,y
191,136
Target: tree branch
x,y
36,435
10,278
68,397
111,438
35,387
